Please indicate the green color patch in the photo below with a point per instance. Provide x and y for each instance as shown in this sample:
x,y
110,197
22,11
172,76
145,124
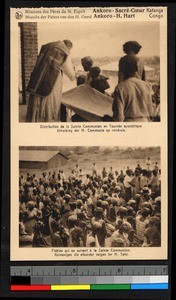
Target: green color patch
x,y
110,287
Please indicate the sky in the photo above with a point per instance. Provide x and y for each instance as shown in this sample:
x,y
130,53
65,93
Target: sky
x,y
99,39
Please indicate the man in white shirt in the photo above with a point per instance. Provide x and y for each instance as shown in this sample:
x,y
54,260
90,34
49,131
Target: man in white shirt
x,y
148,164
127,185
94,170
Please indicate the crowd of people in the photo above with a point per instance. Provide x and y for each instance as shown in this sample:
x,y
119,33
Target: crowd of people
x,y
91,209
133,99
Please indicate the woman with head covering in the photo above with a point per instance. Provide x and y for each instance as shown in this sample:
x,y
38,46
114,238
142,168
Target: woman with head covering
x,y
131,48
45,85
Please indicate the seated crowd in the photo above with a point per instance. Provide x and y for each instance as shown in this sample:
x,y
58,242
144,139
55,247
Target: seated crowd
x,y
111,209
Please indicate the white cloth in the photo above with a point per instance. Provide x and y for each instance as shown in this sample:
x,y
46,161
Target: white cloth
x,y
87,102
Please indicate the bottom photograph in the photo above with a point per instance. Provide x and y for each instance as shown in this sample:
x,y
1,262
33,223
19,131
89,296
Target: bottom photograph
x,y
89,196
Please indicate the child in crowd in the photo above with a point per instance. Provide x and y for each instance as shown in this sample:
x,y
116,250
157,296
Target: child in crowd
x,y
98,82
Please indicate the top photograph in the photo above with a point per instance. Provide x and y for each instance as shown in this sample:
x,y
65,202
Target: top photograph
x,y
89,71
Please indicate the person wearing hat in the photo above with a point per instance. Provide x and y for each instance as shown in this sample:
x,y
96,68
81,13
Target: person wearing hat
x,y
79,205
132,96
87,64
116,191
98,226
132,203
45,84
72,221
122,233
132,48
117,242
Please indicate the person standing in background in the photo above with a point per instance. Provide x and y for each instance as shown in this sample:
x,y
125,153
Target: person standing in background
x,y
127,185
94,170
132,48
148,164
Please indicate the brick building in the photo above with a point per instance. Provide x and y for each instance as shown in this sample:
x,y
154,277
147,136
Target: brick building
x,y
29,53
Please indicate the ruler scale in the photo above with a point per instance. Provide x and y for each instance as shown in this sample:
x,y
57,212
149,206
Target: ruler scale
x,y
89,277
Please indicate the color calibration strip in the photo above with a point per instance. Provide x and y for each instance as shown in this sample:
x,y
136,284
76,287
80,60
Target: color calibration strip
x,y
70,278
88,287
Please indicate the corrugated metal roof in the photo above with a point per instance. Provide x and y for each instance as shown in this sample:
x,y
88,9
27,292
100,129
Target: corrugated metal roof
x,y
37,155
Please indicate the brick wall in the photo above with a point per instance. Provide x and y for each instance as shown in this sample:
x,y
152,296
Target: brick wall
x,y
29,48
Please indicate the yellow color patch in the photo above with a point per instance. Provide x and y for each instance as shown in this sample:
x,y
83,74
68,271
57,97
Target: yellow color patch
x,y
70,287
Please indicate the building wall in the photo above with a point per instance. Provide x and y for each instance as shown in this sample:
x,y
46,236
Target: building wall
x,y
53,162
56,162
29,48
63,160
32,165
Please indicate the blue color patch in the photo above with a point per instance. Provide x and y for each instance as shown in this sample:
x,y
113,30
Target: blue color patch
x,y
150,286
